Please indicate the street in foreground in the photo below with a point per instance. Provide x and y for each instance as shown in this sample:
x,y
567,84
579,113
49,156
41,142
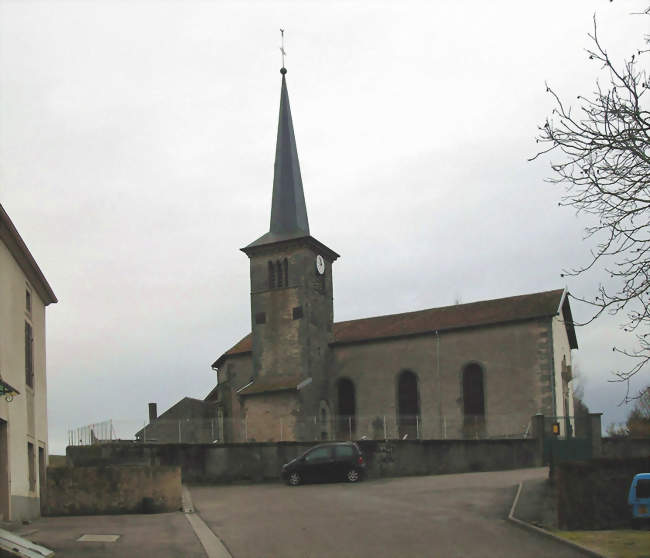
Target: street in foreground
x,y
443,516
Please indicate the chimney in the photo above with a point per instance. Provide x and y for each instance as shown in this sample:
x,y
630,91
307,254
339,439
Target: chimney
x,y
153,412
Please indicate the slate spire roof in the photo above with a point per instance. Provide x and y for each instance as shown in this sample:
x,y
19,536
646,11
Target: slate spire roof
x,y
288,209
288,212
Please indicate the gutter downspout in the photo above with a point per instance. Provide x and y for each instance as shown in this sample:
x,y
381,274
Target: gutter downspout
x,y
439,384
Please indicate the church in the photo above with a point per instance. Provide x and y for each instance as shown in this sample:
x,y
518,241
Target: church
x,y
473,370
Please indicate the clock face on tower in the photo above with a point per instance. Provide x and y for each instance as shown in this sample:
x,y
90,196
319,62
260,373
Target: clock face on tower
x,y
320,264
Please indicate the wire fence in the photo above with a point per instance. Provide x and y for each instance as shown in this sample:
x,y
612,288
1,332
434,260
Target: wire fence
x,y
99,432
215,430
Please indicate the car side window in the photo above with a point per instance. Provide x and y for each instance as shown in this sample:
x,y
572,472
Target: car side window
x,y
344,451
319,454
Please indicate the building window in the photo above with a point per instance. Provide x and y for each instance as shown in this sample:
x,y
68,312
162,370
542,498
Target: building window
x,y
260,318
31,465
29,355
285,264
28,301
271,276
297,312
408,406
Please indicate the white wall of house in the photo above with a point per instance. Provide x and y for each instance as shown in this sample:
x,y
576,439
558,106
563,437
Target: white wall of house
x,y
26,415
561,362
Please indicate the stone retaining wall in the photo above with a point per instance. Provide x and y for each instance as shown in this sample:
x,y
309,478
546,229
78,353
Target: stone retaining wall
x,y
593,494
623,448
112,489
205,463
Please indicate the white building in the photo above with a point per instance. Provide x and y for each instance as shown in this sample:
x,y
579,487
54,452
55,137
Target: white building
x,y
24,294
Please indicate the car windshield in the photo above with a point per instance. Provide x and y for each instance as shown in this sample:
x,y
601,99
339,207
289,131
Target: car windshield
x,y
643,488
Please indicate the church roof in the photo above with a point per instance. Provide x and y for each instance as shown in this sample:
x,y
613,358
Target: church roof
x,y
267,384
446,318
288,209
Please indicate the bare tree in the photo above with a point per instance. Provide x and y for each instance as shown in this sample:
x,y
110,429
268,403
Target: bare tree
x,y
637,424
604,146
580,409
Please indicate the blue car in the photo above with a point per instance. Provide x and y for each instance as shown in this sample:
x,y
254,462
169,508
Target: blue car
x,y
639,497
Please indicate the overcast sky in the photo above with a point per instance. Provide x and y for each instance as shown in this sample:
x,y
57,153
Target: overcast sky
x,y
136,157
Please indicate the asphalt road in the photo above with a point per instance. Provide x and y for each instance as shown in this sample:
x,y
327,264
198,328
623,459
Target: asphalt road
x,y
443,516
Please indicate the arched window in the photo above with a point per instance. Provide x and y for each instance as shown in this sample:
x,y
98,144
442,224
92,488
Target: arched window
x,y
286,272
271,275
473,400
346,411
408,405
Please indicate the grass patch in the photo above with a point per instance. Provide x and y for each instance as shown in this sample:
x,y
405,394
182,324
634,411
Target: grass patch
x,y
622,543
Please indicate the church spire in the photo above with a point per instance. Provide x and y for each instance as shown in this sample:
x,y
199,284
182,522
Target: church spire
x,y
288,210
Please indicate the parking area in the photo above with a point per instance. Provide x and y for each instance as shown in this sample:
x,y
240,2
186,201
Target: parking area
x,y
165,535
444,515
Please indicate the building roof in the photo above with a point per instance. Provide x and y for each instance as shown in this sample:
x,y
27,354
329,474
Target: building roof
x,y
187,407
266,384
458,316
288,209
446,318
16,245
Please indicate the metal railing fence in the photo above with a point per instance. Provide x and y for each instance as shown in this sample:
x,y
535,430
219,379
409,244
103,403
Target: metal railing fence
x,y
98,432
290,428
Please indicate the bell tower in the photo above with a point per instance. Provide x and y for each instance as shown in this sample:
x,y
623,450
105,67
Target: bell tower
x,y
291,286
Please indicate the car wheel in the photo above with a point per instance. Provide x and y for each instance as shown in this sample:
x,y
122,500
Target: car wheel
x,y
352,475
294,479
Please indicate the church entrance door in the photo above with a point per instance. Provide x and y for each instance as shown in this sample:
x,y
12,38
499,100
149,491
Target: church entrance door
x,y
346,411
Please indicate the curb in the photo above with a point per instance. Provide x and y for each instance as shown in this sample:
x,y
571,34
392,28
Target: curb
x,y
212,545
545,533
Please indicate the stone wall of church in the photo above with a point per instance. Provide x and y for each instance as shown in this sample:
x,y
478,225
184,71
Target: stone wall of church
x,y
516,361
292,321
271,417
234,374
291,315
